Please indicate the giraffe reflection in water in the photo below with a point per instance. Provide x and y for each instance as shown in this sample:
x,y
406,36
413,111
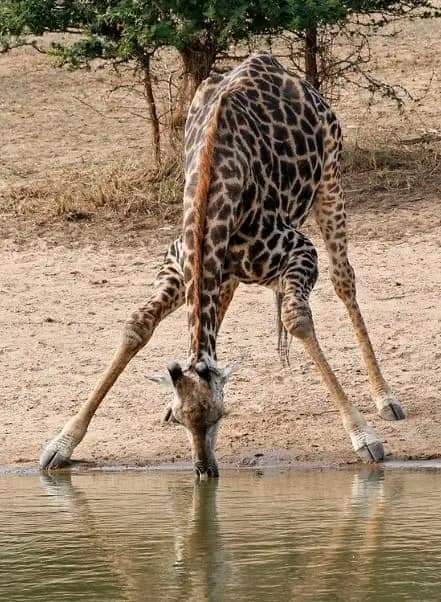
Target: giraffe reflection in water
x,y
210,541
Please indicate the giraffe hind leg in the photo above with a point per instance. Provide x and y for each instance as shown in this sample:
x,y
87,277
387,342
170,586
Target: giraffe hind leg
x,y
330,215
331,218
167,296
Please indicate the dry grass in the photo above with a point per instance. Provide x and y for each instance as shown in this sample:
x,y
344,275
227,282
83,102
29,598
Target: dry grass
x,y
126,188
378,167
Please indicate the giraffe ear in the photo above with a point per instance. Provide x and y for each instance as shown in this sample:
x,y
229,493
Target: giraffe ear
x,y
163,381
169,418
229,370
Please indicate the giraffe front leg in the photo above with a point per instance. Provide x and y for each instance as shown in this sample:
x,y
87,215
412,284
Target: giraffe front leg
x,y
58,451
297,319
168,296
388,405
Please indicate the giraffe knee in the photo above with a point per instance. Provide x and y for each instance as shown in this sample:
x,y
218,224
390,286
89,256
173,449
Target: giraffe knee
x,y
133,337
343,280
137,330
297,319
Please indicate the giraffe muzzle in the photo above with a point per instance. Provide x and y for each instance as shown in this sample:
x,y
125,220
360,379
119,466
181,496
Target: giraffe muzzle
x,y
209,471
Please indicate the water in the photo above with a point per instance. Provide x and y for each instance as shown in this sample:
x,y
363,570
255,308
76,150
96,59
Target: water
x,y
277,535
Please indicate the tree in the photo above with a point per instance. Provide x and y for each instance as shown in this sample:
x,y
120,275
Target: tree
x,y
202,31
318,24
123,31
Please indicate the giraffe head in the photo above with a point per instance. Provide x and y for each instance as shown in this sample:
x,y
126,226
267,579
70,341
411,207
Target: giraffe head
x,y
198,404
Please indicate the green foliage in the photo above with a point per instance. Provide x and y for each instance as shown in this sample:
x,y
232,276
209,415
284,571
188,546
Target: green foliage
x,y
127,29
122,31
123,28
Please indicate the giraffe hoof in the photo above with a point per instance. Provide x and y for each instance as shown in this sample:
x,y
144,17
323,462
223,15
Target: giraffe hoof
x,y
52,460
367,444
371,452
391,410
58,452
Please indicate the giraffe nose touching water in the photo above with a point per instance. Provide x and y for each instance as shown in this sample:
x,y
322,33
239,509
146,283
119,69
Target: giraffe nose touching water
x,y
262,152
198,405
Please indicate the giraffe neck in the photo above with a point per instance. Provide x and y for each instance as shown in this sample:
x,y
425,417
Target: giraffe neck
x,y
203,339
208,210
204,307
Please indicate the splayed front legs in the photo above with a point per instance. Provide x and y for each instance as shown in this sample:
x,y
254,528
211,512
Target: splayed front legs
x,y
168,295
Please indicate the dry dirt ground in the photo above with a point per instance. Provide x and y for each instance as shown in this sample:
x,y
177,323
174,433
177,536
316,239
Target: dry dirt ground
x,y
69,303
66,288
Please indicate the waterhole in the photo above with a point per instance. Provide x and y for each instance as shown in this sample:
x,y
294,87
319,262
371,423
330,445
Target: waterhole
x,y
274,535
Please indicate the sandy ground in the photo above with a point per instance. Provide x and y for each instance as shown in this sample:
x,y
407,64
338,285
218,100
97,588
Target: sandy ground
x,y
63,305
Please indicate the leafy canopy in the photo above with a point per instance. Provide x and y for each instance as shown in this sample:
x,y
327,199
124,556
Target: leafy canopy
x,y
125,29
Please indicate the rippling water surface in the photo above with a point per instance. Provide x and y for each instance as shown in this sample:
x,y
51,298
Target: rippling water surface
x,y
276,535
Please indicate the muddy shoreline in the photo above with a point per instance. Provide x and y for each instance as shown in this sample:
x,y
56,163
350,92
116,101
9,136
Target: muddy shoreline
x,y
83,467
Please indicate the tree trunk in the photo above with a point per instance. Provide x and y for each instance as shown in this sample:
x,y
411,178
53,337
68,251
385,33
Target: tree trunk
x,y
151,105
197,61
311,51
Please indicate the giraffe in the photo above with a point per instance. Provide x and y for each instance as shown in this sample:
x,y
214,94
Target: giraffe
x,y
262,152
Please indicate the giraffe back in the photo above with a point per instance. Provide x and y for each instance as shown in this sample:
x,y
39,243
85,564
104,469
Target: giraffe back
x,y
266,133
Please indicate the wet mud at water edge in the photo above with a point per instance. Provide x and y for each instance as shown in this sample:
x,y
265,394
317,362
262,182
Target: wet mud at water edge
x,y
253,535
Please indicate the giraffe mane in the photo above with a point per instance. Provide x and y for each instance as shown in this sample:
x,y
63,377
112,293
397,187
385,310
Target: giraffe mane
x,y
200,214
